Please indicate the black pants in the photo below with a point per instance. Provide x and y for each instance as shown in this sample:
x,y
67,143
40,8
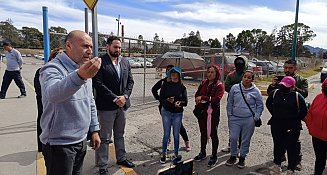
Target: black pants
x,y
285,140
7,78
38,126
320,148
182,130
213,135
64,159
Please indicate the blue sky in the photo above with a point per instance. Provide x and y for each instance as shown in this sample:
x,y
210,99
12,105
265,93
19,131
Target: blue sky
x,y
170,19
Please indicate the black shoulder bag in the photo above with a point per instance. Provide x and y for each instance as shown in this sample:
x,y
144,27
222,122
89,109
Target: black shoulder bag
x,y
257,123
198,111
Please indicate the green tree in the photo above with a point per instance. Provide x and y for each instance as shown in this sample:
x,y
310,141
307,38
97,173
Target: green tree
x,y
230,42
245,41
285,38
31,37
57,37
259,37
10,33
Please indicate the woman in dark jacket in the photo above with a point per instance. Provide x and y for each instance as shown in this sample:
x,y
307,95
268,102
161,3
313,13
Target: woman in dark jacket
x,y
287,108
207,98
173,97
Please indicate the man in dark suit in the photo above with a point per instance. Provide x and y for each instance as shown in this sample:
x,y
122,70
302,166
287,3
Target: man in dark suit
x,y
113,86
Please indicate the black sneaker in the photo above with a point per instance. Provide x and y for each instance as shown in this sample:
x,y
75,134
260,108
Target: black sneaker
x,y
176,159
212,162
231,161
241,163
298,167
163,158
22,96
103,172
200,157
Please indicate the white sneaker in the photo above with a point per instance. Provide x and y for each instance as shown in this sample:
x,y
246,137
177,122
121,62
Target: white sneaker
x,y
290,172
275,169
226,150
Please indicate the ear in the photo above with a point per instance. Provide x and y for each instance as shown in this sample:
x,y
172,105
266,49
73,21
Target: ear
x,y
107,46
68,46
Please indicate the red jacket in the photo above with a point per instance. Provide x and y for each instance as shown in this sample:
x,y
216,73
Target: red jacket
x,y
316,119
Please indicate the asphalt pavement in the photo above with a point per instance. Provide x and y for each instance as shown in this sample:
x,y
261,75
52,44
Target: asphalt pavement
x,y
143,135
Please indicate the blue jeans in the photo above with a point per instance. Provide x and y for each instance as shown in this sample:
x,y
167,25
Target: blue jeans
x,y
171,119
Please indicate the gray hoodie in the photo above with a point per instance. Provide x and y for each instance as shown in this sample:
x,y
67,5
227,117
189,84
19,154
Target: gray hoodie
x,y
69,110
236,106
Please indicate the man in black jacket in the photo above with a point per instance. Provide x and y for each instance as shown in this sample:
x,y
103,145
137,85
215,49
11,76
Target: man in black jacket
x,y
113,86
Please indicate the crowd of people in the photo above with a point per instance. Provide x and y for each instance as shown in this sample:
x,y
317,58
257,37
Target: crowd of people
x,y
81,97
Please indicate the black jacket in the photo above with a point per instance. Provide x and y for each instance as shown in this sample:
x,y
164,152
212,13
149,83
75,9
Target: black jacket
x,y
176,90
285,111
108,86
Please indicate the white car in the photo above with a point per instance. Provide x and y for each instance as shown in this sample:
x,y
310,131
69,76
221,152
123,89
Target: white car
x,y
279,68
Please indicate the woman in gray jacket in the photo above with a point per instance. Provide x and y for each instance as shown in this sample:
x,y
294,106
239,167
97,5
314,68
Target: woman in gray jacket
x,y
241,118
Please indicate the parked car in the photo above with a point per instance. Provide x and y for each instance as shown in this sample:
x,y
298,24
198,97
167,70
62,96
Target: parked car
x,y
134,64
267,67
323,73
216,59
277,68
141,61
256,69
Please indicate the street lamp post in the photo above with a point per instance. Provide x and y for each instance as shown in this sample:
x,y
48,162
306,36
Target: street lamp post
x,y
295,31
118,23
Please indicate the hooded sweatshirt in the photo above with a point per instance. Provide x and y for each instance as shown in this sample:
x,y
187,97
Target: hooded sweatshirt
x,y
236,106
69,110
316,119
235,76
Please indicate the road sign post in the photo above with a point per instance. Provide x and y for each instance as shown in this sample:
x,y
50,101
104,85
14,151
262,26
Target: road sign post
x,y
91,4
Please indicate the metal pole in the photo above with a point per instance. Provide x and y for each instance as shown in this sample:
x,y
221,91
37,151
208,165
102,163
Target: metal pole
x,y
95,31
118,21
46,40
86,20
295,31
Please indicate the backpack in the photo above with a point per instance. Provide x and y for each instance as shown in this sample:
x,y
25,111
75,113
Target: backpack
x,y
297,99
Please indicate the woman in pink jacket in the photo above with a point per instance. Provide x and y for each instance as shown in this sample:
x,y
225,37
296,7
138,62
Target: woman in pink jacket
x,y
316,121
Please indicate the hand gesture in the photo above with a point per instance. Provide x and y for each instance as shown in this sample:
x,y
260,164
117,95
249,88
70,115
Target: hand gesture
x,y
171,99
90,68
178,104
95,140
121,100
198,100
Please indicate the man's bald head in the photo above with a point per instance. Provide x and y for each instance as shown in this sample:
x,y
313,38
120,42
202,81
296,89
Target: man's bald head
x,y
79,46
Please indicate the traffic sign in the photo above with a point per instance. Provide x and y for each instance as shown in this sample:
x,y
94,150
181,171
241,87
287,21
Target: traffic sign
x,y
90,3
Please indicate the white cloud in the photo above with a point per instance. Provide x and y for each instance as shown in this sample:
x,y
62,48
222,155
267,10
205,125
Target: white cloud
x,y
213,19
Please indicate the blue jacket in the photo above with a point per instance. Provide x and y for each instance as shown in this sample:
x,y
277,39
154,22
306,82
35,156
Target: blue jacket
x,y
236,106
69,110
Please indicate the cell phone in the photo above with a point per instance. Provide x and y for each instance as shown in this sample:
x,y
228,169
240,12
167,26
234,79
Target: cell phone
x,y
279,77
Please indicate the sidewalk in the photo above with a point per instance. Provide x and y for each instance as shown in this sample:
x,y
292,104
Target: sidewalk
x,y
17,131
18,153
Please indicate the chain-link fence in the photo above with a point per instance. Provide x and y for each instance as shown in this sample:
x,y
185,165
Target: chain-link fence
x,y
141,53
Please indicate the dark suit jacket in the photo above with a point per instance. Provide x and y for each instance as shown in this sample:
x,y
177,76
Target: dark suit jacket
x,y
108,86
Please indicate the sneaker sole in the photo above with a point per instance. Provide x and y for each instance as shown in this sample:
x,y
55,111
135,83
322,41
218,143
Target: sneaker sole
x,y
212,164
229,164
162,162
200,159
240,166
